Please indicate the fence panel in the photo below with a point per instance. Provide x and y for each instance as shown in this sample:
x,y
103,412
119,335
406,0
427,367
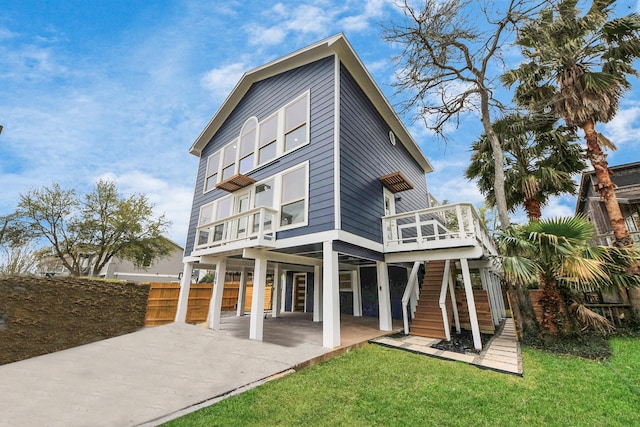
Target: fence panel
x,y
163,301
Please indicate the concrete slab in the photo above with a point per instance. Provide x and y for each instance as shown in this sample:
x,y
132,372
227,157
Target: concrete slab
x,y
145,376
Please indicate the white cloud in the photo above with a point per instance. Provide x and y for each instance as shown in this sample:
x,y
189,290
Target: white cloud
x,y
220,81
563,206
373,9
625,126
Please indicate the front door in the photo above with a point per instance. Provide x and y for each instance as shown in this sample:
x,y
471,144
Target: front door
x,y
390,209
299,291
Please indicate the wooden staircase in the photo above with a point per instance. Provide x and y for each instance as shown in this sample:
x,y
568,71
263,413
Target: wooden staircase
x,y
427,320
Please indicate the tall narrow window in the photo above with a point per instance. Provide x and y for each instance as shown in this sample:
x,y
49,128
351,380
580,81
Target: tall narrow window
x,y
268,136
206,213
229,161
295,124
264,197
223,210
292,201
248,145
212,172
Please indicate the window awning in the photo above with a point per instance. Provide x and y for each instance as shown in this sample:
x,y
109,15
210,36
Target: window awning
x,y
235,183
396,182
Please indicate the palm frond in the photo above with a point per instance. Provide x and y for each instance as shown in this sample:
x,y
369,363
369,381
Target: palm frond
x,y
590,318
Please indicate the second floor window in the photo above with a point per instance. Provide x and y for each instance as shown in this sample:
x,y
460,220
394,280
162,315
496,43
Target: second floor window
x,y
260,142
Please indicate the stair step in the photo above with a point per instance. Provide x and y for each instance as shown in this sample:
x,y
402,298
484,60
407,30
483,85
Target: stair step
x,y
428,332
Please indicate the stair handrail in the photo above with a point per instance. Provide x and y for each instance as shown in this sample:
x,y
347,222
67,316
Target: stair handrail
x,y
443,297
412,285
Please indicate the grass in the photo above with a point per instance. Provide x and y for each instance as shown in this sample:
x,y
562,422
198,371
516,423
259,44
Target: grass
x,y
380,386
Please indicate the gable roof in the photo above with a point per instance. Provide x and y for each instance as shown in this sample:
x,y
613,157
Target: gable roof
x,y
334,45
587,177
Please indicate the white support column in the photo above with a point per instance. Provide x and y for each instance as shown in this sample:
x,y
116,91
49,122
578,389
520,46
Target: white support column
x,y
256,322
384,297
454,303
215,305
330,297
488,287
283,291
357,294
317,294
473,315
277,281
496,282
183,299
242,292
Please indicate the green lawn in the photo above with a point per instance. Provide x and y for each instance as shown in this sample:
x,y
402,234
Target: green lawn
x,y
380,386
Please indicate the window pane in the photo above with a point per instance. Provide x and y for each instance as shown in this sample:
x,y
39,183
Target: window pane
x,y
267,222
229,154
248,143
295,114
228,172
246,164
268,130
295,138
211,182
293,185
224,208
203,237
266,153
205,214
292,213
212,164
264,194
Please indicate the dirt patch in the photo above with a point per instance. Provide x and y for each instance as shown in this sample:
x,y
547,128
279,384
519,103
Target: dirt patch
x,y
40,316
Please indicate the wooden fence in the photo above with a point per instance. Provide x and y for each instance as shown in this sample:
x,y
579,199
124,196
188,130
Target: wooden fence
x,y
163,301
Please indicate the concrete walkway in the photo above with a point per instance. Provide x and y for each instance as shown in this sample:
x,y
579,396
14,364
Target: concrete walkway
x,y
160,373
501,354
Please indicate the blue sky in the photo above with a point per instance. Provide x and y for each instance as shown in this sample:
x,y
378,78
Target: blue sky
x,y
120,89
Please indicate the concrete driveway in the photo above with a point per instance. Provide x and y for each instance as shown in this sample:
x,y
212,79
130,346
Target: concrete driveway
x,y
156,373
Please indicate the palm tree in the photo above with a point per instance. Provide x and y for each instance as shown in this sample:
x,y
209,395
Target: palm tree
x,y
578,67
540,159
556,254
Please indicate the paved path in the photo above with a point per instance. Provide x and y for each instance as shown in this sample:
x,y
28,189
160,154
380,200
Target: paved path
x,y
502,353
137,378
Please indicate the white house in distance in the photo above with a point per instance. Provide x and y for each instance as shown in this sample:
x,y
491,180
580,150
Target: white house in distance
x,y
308,176
165,269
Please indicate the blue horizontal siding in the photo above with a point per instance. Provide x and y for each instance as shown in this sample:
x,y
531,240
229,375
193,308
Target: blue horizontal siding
x,y
366,154
263,99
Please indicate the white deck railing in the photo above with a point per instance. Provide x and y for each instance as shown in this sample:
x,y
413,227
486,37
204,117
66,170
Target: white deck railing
x,y
608,239
256,226
447,226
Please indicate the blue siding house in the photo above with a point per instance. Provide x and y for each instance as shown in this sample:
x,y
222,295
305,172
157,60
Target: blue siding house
x,y
308,176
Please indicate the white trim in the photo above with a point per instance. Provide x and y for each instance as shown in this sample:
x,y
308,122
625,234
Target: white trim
x,y
280,257
336,146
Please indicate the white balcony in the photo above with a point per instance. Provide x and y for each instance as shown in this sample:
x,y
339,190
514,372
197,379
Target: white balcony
x,y
254,228
442,227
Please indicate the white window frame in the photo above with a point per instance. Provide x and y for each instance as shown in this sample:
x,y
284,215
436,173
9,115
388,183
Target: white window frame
x,y
278,197
276,202
280,141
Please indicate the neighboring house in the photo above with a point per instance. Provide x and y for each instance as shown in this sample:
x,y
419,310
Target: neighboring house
x,y
167,269
307,175
613,304
627,180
